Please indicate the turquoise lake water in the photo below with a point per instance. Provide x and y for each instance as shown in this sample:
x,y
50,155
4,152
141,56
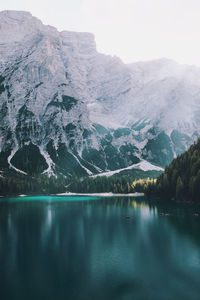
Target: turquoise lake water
x,y
86,248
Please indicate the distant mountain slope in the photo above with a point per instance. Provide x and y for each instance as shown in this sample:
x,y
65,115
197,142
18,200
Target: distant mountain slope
x,y
67,109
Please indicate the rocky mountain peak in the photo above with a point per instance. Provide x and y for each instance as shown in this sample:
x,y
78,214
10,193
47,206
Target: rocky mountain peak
x,y
18,25
84,111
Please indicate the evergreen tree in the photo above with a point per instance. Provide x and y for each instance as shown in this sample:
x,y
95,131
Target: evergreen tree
x,y
179,188
181,179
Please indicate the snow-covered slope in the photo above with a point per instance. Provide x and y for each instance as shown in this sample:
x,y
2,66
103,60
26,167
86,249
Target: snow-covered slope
x,y
65,108
142,165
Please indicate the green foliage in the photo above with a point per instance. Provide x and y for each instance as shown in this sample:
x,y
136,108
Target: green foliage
x,y
179,188
125,182
29,160
144,185
181,179
12,183
160,149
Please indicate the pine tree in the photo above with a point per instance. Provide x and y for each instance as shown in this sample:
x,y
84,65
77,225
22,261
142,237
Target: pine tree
x,y
179,188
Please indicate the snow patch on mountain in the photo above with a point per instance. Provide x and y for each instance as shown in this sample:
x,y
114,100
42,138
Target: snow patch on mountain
x,y
58,93
87,170
50,163
143,165
11,165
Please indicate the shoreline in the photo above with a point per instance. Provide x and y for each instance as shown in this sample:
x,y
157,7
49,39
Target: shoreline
x,y
79,194
101,194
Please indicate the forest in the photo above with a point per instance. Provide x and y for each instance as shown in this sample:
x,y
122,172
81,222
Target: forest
x,y
12,183
128,182
181,179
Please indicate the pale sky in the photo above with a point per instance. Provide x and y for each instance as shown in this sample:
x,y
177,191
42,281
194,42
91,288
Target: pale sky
x,y
134,30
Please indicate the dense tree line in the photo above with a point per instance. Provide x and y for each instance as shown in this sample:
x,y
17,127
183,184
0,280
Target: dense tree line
x,y
12,183
127,183
181,179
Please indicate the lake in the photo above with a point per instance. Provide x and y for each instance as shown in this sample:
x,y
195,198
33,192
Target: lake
x,y
86,248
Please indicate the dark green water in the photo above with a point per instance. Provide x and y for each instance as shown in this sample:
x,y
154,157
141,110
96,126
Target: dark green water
x,y
56,249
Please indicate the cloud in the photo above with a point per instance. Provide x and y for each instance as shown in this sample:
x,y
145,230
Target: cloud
x,y
145,29
131,29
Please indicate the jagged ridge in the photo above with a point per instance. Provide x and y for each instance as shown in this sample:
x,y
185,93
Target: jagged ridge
x,y
87,112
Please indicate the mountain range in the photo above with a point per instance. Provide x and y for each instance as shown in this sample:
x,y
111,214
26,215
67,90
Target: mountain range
x,y
67,109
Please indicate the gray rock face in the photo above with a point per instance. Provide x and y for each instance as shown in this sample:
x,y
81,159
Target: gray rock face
x,y
86,112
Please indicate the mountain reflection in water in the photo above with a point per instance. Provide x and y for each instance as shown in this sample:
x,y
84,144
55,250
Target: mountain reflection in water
x,y
90,250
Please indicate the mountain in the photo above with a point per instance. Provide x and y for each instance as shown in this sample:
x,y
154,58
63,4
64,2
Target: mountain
x,y
67,109
181,179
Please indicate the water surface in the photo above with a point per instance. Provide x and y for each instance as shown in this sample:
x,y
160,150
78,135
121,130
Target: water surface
x,y
85,248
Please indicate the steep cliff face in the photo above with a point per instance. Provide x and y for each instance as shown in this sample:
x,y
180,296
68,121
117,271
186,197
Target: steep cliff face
x,y
65,108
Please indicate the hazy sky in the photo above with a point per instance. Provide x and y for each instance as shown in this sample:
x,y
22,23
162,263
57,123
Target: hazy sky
x,y
131,29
